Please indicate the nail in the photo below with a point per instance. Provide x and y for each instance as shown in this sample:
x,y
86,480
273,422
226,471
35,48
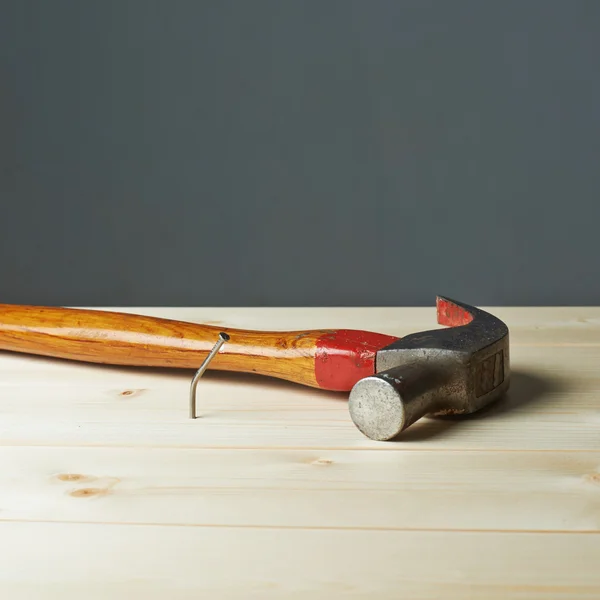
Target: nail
x,y
223,337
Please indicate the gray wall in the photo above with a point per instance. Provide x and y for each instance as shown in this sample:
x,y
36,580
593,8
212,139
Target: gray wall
x,y
299,152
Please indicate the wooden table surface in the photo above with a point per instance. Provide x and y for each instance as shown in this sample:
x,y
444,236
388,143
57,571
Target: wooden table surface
x,y
109,490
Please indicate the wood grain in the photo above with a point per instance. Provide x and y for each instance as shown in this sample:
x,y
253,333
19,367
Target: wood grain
x,y
107,489
303,488
135,340
328,359
64,561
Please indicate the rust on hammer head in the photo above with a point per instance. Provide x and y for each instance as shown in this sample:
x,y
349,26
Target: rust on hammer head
x,y
454,370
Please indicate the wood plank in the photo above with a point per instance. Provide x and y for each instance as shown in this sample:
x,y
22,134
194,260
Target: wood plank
x,y
527,325
107,489
333,489
62,561
552,405
223,433
399,318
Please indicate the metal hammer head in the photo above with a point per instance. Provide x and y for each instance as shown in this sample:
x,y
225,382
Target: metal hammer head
x,y
458,370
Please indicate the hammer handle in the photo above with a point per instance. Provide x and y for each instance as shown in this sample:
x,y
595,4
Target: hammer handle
x,y
333,359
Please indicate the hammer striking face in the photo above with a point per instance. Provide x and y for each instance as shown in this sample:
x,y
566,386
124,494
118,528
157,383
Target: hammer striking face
x,y
392,381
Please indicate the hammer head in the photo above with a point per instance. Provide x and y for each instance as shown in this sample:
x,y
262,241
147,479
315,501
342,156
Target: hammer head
x,y
457,370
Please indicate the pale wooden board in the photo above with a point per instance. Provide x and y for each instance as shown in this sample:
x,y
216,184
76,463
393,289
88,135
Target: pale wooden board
x,y
274,493
303,488
58,561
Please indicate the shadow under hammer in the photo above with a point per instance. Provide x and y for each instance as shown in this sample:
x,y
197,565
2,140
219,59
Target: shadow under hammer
x,y
526,392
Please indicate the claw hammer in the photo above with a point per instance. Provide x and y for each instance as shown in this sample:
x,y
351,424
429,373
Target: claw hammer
x,y
392,382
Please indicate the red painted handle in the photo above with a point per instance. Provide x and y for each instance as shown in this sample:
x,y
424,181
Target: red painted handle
x,y
344,356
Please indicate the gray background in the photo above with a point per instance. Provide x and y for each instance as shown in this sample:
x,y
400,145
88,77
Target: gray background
x,y
318,152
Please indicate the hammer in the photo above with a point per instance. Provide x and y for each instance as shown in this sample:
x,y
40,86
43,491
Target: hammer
x,y
392,382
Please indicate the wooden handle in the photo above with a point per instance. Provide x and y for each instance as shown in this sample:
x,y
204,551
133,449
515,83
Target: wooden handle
x,y
327,359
